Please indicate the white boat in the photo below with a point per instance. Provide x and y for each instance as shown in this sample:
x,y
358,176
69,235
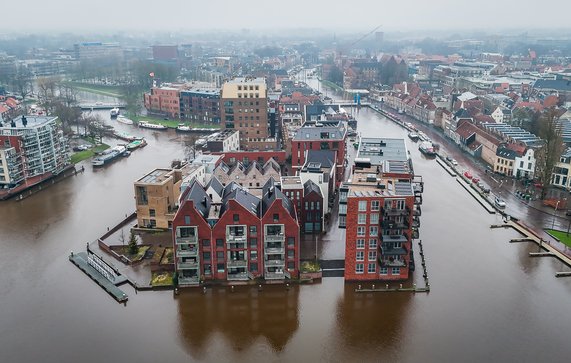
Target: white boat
x,y
124,120
114,112
183,128
148,125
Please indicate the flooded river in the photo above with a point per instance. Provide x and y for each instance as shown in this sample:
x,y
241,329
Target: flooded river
x,y
489,301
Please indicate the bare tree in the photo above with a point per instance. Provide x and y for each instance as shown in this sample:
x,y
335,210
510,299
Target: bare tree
x,y
549,153
22,84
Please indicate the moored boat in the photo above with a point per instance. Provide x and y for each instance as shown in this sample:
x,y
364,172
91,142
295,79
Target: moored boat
x,y
114,112
124,120
148,125
135,144
183,128
109,155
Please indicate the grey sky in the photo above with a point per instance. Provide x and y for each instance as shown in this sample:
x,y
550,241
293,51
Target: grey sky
x,y
156,15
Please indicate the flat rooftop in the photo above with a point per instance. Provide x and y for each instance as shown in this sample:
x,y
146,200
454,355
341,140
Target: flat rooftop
x,y
157,176
260,80
379,150
368,182
291,182
32,121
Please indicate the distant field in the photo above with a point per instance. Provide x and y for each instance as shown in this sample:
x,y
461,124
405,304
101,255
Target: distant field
x,y
86,154
173,123
112,91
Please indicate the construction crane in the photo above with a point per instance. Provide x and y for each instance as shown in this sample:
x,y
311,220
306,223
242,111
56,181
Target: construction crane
x,y
347,47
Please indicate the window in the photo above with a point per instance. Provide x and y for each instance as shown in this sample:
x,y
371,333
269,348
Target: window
x,y
253,243
220,255
360,255
207,269
372,255
342,208
291,265
317,205
205,243
383,271
290,253
187,220
362,206
400,204
152,213
360,243
375,205
291,241
373,231
276,217
219,242
360,231
372,268
253,230
374,218
236,217
362,218
253,267
396,271
206,256
253,255
220,267
359,268
373,243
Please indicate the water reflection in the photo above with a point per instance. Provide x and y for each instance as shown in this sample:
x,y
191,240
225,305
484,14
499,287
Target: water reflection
x,y
241,317
371,323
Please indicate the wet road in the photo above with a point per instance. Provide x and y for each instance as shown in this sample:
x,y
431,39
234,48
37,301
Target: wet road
x,y
489,300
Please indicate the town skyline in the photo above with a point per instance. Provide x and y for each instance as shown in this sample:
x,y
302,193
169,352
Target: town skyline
x,y
64,15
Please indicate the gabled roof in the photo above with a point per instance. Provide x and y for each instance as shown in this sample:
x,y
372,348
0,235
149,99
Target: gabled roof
x,y
250,202
271,193
310,187
201,200
325,157
506,153
215,184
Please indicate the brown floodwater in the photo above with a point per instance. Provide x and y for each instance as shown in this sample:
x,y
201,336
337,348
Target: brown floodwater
x,y
489,301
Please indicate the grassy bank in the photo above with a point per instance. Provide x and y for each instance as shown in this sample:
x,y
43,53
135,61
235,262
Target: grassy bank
x,y
332,85
562,236
112,91
173,123
86,154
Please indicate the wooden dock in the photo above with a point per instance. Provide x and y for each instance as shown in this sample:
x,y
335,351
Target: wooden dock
x,y
80,260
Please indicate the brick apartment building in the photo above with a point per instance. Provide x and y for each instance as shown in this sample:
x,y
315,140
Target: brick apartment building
x,y
380,209
32,149
244,107
322,135
239,239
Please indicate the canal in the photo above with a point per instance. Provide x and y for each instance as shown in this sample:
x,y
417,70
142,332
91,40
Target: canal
x,y
489,301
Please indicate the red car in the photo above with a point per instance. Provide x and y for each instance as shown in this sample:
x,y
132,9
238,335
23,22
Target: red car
x,y
475,180
467,174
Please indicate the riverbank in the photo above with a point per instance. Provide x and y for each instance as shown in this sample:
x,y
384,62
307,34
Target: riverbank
x,y
332,85
104,90
86,154
172,124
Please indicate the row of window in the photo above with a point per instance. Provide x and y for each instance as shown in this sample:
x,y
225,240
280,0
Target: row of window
x,y
251,87
360,256
375,204
373,231
373,219
361,243
372,268
239,255
221,268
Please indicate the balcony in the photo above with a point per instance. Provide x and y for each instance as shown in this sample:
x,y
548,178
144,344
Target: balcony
x,y
236,263
188,281
395,212
274,262
187,265
391,224
392,263
240,276
417,212
394,238
274,250
392,251
274,238
277,275
186,253
415,222
231,238
186,240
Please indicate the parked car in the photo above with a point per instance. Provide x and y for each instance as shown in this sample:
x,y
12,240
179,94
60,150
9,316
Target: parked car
x,y
467,174
448,158
454,162
499,202
475,180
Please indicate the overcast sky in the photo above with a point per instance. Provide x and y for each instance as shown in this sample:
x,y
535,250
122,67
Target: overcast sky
x,y
156,15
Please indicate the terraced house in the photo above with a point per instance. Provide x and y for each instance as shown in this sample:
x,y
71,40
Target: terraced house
x,y
241,238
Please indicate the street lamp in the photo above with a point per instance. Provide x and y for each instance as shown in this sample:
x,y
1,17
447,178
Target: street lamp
x,y
556,205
